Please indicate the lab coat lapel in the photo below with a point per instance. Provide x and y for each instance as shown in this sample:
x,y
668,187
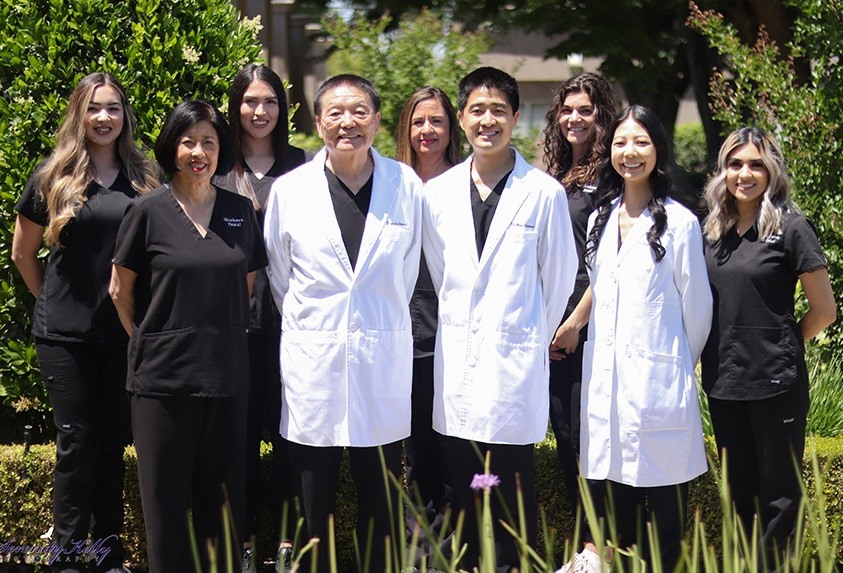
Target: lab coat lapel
x,y
323,209
511,200
383,199
639,229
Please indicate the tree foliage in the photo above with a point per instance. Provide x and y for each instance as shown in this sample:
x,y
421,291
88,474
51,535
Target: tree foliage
x,y
422,50
759,86
162,51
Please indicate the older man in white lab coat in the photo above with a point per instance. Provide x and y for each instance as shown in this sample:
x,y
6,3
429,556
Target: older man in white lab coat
x,y
499,245
343,240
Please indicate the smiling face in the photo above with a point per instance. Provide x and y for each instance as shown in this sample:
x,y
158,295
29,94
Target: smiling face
x,y
104,117
260,110
576,120
633,152
197,153
347,122
487,120
746,175
429,130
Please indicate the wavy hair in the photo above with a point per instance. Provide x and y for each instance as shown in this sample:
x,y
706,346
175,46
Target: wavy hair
x,y
610,183
722,206
63,180
280,134
404,151
558,153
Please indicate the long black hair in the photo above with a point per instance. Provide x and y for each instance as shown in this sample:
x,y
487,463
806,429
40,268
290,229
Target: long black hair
x,y
610,183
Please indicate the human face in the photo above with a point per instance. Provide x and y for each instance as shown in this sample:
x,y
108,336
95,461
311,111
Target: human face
x,y
746,176
260,110
576,120
348,121
488,121
104,117
429,130
633,152
197,153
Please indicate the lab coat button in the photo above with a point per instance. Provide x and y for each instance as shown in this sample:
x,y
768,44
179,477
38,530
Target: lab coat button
x,y
471,361
475,327
609,341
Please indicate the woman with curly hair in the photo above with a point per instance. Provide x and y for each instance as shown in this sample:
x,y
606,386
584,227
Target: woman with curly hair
x,y
641,433
574,137
758,246
75,202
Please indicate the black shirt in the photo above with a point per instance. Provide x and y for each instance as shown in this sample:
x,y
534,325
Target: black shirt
x,y
580,206
73,304
755,349
351,210
191,295
484,210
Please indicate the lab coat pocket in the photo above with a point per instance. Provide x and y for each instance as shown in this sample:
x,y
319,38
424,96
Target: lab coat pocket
x,y
311,363
762,359
662,399
163,360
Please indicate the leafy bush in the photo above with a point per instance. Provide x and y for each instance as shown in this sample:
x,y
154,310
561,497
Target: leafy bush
x,y
163,51
689,150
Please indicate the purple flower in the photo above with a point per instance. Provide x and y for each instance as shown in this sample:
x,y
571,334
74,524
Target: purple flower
x,y
485,482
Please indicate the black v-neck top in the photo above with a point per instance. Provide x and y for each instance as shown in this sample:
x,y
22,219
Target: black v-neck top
x,y
73,304
351,210
484,211
191,295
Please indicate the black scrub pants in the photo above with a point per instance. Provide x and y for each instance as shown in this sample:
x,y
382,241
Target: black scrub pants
x,y
86,384
427,481
763,442
318,468
190,457
632,507
264,414
506,461
565,391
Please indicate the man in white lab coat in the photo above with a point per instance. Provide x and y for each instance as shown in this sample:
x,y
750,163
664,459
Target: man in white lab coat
x,y
498,241
343,236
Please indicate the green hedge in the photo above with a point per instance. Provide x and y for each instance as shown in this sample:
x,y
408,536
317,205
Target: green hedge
x,y
26,486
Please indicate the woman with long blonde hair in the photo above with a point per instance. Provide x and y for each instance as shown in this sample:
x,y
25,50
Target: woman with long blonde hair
x,y
75,202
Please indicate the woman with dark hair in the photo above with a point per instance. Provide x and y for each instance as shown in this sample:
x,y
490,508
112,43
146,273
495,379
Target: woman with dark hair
x,y
75,202
641,433
574,137
758,246
257,114
184,264
428,140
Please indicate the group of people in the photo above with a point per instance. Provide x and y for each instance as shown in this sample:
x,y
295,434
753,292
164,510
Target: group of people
x,y
433,308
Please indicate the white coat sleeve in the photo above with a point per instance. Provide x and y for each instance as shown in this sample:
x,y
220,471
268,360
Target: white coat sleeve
x,y
691,279
432,242
557,258
277,241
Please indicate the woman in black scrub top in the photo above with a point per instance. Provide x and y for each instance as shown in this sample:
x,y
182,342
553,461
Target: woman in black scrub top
x,y
577,122
75,201
257,114
184,263
758,245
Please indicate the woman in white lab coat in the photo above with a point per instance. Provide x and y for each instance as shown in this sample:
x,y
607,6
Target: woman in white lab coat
x,y
641,435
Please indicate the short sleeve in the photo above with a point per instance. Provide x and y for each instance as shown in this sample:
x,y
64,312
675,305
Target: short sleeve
x,y
31,205
258,259
802,246
130,251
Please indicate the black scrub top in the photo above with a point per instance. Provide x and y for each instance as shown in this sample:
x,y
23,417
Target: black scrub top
x,y
755,349
483,210
191,295
73,304
580,206
263,315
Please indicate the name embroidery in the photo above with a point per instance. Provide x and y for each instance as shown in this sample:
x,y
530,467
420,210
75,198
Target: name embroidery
x,y
233,221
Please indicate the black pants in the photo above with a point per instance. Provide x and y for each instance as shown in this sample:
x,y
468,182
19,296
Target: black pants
x,y
190,457
427,476
318,468
631,508
565,390
86,384
506,461
763,442
264,415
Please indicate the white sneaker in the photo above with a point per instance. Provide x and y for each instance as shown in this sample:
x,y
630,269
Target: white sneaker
x,y
586,561
250,561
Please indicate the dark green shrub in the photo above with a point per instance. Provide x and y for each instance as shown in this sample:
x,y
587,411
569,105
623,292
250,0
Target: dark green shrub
x,y
689,150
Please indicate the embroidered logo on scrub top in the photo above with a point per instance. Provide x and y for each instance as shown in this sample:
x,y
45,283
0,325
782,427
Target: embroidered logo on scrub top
x,y
774,381
773,238
233,221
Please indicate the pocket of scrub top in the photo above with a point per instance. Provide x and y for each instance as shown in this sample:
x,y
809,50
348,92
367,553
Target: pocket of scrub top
x,y
164,359
662,398
762,359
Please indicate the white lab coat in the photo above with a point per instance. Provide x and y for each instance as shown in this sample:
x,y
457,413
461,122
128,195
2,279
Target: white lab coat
x,y
346,344
497,314
640,422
